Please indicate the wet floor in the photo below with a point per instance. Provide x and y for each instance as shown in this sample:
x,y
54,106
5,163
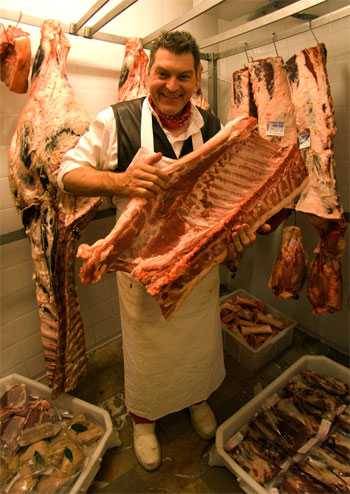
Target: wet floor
x,y
185,467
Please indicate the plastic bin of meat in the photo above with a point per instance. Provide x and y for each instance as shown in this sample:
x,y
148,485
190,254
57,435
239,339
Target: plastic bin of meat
x,y
257,334
233,427
76,407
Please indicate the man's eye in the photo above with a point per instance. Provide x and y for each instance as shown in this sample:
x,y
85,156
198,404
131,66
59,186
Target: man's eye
x,y
162,75
184,77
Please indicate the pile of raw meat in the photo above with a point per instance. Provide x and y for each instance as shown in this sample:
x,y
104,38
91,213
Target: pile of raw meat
x,y
43,449
293,104
50,124
299,441
15,58
249,318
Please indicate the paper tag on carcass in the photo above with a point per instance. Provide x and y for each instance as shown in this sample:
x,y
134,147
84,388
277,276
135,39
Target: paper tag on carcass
x,y
233,441
304,139
275,129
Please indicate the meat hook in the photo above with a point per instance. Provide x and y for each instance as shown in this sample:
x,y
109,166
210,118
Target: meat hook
x,y
313,34
246,52
274,43
19,17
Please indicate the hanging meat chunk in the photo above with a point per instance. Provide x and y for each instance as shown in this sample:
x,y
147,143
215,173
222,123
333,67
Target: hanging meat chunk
x,y
16,59
4,42
132,79
324,288
49,125
170,243
273,101
242,97
315,121
289,271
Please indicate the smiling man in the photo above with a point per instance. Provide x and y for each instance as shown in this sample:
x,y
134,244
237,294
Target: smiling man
x,y
174,364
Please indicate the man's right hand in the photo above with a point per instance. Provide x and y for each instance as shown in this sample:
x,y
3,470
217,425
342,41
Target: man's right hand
x,y
143,178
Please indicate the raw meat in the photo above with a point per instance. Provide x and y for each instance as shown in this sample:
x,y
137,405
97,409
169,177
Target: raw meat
x,y
324,288
289,271
15,64
242,96
132,79
315,122
273,101
170,243
50,124
4,42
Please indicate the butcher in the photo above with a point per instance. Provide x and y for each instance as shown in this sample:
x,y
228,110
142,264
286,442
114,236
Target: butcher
x,y
176,363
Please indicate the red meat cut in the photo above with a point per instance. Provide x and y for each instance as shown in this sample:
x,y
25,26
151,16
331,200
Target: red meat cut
x,y
169,243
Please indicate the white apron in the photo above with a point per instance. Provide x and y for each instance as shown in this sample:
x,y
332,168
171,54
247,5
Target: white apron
x,y
169,364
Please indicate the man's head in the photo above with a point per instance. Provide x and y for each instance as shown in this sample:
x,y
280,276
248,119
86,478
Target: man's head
x,y
173,71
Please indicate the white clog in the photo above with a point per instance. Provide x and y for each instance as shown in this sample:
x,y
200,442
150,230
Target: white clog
x,y
146,446
203,420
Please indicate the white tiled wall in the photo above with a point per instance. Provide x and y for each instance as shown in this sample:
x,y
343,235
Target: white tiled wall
x,y
257,262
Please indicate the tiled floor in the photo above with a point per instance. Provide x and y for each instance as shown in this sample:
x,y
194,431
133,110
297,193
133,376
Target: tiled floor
x,y
185,468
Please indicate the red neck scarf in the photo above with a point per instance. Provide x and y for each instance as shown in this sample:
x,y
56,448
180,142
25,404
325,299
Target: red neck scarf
x,y
173,122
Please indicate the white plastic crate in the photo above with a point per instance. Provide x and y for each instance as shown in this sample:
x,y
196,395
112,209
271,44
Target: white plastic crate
x,y
76,406
252,358
227,429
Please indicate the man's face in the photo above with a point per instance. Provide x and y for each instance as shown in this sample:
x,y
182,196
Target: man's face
x,y
172,80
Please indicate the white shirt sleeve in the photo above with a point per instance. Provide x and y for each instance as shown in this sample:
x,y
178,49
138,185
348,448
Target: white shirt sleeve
x,y
98,147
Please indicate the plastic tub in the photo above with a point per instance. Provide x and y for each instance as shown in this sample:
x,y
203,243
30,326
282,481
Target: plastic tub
x,y
227,429
252,358
76,406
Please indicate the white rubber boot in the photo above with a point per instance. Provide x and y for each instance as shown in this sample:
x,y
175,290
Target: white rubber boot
x,y
146,446
203,420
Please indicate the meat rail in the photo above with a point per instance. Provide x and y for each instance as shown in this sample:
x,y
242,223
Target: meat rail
x,y
170,243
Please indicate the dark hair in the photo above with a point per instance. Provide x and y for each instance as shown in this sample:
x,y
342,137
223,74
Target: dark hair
x,y
177,42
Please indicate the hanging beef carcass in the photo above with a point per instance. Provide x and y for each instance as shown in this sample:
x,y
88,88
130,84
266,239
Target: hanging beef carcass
x,y
315,122
132,79
273,100
289,271
49,125
169,243
15,59
324,288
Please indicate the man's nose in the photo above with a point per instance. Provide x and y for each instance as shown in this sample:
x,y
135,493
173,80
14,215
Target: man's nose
x,y
172,84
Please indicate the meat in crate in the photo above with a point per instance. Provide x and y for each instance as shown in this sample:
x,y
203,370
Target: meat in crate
x,y
254,332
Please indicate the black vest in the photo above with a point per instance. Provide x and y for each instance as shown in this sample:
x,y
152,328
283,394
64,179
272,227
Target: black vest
x,y
128,120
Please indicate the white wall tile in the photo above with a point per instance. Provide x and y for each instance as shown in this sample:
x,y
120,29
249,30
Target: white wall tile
x,y
20,328
10,220
35,366
3,161
15,253
6,197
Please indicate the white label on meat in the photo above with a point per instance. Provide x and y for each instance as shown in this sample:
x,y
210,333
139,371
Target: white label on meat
x,y
304,139
275,129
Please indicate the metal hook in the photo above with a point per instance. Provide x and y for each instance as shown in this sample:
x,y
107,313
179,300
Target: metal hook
x,y
246,52
19,18
313,34
274,43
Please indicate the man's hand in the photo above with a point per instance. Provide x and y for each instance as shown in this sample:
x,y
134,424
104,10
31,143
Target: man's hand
x,y
143,179
242,238
264,229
